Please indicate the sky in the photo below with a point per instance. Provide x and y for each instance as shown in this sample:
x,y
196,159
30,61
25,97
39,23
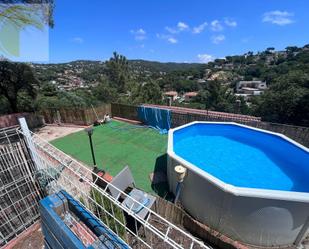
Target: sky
x,y
174,30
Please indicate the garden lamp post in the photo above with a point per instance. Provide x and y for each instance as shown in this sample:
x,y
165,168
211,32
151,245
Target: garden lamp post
x,y
89,131
99,176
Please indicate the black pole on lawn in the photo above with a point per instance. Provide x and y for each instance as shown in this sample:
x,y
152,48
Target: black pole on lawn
x,y
89,131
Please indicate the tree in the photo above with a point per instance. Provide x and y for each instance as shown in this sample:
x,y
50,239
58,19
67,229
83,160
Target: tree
x,y
104,92
182,85
16,15
147,92
27,12
4,105
287,100
202,99
217,97
118,71
221,98
291,49
287,106
61,100
49,90
16,78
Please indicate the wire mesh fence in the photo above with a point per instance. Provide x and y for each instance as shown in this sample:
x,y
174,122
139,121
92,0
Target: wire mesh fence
x,y
60,171
19,194
31,168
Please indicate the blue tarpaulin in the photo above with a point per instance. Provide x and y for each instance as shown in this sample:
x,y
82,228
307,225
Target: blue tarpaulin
x,y
57,234
156,118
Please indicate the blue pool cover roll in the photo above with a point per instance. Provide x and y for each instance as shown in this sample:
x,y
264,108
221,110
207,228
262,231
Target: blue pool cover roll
x,y
58,235
159,119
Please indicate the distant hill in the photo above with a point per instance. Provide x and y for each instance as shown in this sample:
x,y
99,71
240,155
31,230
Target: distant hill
x,y
266,65
166,67
91,71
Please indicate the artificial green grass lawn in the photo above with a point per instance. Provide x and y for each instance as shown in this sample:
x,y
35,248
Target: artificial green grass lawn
x,y
118,144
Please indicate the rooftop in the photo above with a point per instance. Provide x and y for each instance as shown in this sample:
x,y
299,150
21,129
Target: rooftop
x,y
191,94
171,93
250,89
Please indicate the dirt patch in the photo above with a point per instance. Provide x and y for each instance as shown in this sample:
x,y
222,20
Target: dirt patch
x,y
50,132
29,239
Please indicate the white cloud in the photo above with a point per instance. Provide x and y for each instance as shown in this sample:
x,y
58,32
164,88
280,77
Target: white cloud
x,y
278,17
172,40
216,39
200,28
215,25
230,22
205,58
182,26
77,40
139,34
168,38
162,36
171,30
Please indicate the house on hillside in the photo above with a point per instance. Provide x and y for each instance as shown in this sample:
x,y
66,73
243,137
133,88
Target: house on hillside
x,y
251,91
258,84
251,88
171,94
228,66
189,95
201,81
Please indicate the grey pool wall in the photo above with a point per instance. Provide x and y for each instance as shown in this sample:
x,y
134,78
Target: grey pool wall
x,y
267,218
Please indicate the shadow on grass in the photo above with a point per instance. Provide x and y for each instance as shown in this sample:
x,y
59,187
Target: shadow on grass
x,y
159,181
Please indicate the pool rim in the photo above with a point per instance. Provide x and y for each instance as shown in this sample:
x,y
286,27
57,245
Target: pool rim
x,y
238,191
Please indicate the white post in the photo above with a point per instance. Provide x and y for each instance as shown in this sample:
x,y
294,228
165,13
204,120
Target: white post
x,y
29,141
58,117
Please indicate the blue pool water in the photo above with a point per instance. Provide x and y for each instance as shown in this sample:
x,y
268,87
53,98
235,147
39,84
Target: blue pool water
x,y
243,157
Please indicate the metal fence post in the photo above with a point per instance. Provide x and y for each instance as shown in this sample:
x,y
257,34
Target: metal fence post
x,y
30,144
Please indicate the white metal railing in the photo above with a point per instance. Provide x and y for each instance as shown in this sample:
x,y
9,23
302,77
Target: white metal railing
x,y
77,180
19,195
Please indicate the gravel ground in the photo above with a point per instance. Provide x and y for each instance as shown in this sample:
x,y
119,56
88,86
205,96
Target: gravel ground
x,y
50,132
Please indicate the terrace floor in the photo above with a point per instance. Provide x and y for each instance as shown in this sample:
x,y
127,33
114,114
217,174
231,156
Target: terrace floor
x,y
118,144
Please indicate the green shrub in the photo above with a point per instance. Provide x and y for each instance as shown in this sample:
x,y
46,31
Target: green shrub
x,y
105,217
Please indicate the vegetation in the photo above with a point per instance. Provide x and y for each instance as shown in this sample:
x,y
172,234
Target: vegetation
x,y
17,85
82,83
21,14
112,209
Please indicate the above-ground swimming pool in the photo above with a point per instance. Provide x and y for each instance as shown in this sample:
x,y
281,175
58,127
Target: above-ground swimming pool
x,y
250,184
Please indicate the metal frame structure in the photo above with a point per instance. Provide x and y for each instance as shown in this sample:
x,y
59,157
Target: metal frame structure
x,y
55,170
19,195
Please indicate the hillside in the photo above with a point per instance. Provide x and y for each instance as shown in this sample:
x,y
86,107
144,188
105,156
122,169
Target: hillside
x,y
86,72
213,86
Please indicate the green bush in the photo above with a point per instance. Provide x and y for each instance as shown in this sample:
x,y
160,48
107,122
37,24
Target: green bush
x,y
105,217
